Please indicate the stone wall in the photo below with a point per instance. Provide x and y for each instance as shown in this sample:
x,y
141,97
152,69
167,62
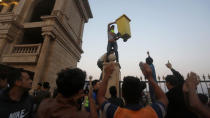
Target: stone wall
x,y
58,58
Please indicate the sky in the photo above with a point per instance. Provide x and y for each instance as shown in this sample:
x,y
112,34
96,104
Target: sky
x,y
174,30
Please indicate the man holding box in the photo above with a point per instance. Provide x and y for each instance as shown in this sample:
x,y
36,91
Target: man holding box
x,y
112,41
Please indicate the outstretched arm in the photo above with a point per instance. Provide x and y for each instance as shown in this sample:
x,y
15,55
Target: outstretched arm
x,y
175,73
160,95
102,90
194,102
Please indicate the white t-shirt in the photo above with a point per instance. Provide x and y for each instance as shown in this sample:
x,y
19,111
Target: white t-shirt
x,y
111,57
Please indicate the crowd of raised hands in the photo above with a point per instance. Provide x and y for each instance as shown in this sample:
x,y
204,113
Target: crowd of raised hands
x,y
189,89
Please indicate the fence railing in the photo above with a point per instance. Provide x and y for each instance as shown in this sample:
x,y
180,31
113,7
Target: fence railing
x,y
203,87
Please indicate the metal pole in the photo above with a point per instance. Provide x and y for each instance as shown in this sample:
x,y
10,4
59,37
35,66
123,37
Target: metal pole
x,y
200,84
164,82
206,84
159,80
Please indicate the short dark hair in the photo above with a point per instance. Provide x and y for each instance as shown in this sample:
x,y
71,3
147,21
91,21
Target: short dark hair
x,y
132,88
46,85
171,79
94,82
113,91
70,81
4,71
149,60
14,75
112,26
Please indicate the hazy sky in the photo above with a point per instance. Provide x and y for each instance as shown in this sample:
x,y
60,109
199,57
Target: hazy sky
x,y
175,30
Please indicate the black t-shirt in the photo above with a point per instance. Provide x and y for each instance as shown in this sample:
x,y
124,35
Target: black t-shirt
x,y
177,107
116,101
14,109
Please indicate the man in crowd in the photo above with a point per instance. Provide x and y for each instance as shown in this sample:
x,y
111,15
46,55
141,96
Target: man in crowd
x,y
95,85
177,107
15,101
42,94
70,84
131,92
114,99
36,91
192,97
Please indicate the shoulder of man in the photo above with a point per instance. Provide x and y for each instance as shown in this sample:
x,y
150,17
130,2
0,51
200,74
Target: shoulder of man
x,y
159,108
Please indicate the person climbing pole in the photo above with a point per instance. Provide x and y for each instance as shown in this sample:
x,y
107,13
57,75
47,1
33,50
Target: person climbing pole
x,y
112,41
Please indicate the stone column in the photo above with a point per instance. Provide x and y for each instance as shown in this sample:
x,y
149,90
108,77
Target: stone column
x,y
19,7
2,45
114,80
42,59
60,4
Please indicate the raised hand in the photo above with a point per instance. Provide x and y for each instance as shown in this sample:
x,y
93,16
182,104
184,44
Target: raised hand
x,y
192,80
148,53
90,78
109,69
146,70
168,65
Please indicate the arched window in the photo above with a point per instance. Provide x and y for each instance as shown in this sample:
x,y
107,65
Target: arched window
x,y
44,7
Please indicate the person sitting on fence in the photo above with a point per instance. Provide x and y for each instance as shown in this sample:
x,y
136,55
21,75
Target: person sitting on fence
x,y
190,88
177,107
131,92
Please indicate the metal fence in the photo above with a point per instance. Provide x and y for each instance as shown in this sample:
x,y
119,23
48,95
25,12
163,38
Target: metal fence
x,y
203,87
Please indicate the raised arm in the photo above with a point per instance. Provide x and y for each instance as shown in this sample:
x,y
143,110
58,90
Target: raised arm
x,y
110,25
160,95
194,101
102,90
175,73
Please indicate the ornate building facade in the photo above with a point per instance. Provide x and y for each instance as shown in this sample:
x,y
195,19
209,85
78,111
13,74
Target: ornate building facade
x,y
43,36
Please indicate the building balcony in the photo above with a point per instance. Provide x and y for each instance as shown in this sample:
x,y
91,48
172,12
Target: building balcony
x,y
27,53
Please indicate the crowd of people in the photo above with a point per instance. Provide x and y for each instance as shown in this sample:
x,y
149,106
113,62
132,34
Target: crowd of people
x,y
76,99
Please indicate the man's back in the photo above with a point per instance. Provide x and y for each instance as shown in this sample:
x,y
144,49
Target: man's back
x,y
56,108
147,112
116,101
177,107
155,110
